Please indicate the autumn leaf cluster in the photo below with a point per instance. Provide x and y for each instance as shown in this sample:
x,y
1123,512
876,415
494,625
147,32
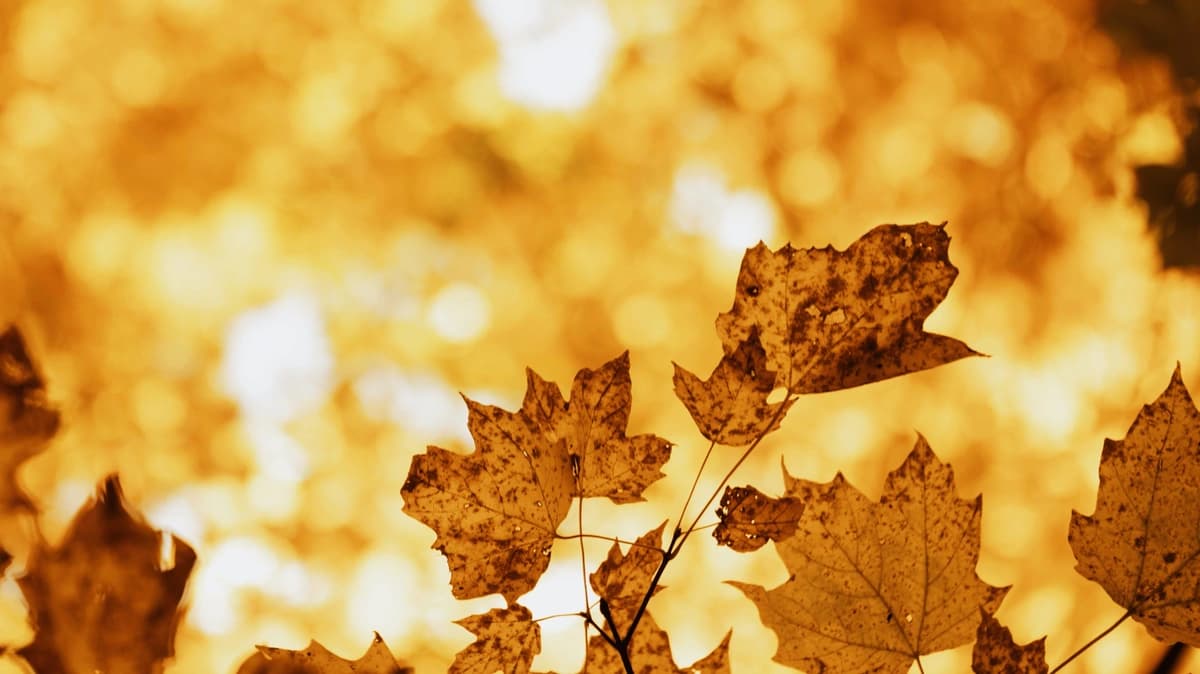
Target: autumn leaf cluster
x,y
873,585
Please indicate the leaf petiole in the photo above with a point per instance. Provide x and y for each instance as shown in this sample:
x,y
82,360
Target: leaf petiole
x,y
1091,643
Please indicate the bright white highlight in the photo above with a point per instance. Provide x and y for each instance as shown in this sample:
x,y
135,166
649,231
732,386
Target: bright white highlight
x,y
553,54
702,204
278,363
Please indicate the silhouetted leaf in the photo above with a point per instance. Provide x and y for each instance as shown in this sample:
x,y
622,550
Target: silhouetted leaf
x,y
100,601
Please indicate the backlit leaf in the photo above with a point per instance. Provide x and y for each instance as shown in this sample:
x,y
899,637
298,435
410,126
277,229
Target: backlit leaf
x,y
830,319
100,601
750,518
506,641
496,510
1141,543
316,659
650,651
875,585
995,651
730,407
622,579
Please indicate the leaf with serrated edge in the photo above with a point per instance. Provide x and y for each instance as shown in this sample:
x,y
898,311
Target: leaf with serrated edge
x,y
316,659
1141,543
750,518
506,640
995,651
623,578
875,585
593,425
730,407
831,319
27,421
496,510
650,651
100,601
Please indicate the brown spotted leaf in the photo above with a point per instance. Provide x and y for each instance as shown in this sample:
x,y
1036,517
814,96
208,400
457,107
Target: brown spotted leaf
x,y
622,579
316,659
100,601
750,518
1142,543
27,421
995,651
875,585
730,407
831,319
650,651
496,510
593,425
506,640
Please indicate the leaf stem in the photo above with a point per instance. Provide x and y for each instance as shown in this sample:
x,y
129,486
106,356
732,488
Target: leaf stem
x,y
611,539
679,537
695,481
779,412
1091,643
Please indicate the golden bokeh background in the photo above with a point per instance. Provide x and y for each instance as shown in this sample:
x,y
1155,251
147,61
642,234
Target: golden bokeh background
x,y
261,246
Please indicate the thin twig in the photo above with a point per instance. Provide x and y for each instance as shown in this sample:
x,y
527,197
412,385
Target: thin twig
x,y
1089,644
695,481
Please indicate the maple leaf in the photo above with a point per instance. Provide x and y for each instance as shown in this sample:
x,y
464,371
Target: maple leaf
x,y
1141,543
100,601
496,511
873,586
650,651
622,580
750,518
316,659
506,641
27,421
995,651
830,319
593,425
730,407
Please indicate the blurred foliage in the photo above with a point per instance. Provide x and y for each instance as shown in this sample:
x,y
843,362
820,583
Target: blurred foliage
x,y
262,246
1167,29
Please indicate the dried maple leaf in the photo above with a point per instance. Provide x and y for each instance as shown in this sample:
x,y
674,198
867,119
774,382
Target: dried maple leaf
x,y
506,641
1141,543
496,510
316,659
730,407
622,579
750,518
27,421
650,651
875,585
593,425
100,601
995,651
831,319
